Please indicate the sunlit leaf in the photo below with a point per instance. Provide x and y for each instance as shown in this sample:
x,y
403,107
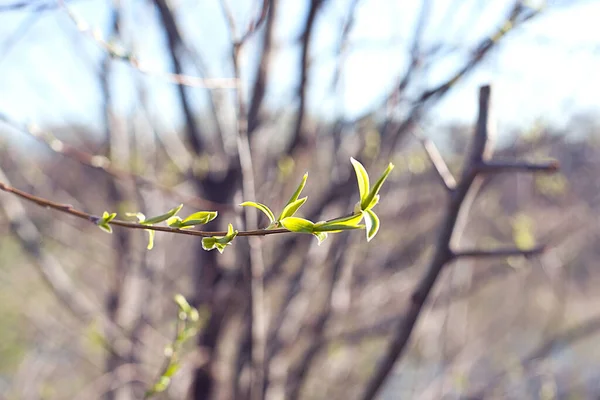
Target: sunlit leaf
x,y
219,242
151,234
174,222
208,243
261,207
372,224
183,304
163,217
171,370
292,208
295,195
140,217
375,190
199,218
340,224
105,227
321,236
363,179
106,217
296,224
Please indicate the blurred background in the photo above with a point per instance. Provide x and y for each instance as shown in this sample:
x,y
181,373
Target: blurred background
x,y
135,105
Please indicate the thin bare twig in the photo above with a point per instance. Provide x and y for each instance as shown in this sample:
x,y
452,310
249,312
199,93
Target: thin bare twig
x,y
103,163
123,55
443,172
503,252
508,166
257,323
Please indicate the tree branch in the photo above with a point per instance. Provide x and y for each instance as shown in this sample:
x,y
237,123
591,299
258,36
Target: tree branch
x,y
490,167
502,252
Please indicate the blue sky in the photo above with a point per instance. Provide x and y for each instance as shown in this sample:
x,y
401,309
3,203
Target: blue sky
x,y
545,70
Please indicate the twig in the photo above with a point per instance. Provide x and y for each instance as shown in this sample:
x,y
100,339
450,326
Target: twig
x,y
503,252
123,55
69,209
443,172
508,166
105,164
257,323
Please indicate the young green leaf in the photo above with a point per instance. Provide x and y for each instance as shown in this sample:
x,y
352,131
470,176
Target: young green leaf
x,y
296,224
321,236
199,218
261,207
295,195
105,227
340,224
183,304
366,203
219,242
106,217
372,224
140,217
104,221
151,235
163,217
292,208
363,179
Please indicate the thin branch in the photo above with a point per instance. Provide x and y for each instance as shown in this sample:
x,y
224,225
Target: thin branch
x,y
502,252
259,89
508,166
302,91
69,209
257,322
103,163
123,55
443,172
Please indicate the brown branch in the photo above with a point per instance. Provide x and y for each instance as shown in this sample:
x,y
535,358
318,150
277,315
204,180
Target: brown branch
x,y
450,231
69,209
508,166
495,253
309,25
256,297
443,172
259,89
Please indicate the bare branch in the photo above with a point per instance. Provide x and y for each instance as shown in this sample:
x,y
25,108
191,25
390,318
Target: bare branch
x,y
123,55
460,200
502,252
492,167
438,163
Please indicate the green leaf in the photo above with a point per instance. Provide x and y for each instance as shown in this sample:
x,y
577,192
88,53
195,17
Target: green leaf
x,y
174,222
182,303
363,179
151,234
163,217
295,195
366,203
261,207
171,370
199,218
292,208
140,217
208,243
340,224
296,224
372,224
321,236
105,227
219,242
106,217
